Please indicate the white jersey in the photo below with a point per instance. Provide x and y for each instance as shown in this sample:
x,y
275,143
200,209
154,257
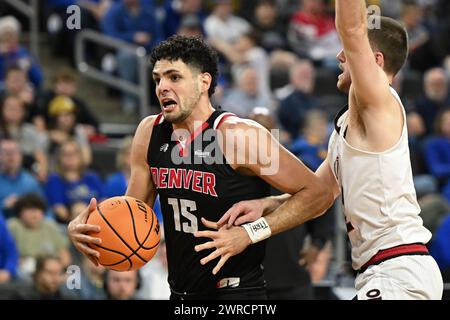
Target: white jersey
x,y
379,199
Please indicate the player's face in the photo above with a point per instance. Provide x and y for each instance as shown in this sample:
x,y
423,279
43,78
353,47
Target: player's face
x,y
344,80
177,89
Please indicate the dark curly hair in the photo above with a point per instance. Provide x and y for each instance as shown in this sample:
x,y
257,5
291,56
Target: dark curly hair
x,y
193,51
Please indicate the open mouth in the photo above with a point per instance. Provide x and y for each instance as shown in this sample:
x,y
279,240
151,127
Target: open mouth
x,y
168,104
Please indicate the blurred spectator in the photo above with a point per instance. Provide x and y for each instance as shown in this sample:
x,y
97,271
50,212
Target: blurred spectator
x,y
116,184
435,99
11,53
175,11
312,146
92,281
423,54
391,8
440,247
223,25
93,11
9,257
34,143
47,282
65,84
281,64
267,21
64,127
437,152
16,83
245,97
35,235
244,53
154,274
122,285
424,183
190,26
135,22
411,17
14,179
71,186
292,110
312,33
433,209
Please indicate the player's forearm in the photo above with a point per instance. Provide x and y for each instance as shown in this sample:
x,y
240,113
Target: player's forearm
x,y
351,19
305,205
273,202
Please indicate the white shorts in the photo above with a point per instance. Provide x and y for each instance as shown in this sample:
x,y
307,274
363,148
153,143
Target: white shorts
x,y
409,277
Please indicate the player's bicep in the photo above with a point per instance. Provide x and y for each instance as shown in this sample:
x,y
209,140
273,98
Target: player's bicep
x,y
140,184
327,178
276,165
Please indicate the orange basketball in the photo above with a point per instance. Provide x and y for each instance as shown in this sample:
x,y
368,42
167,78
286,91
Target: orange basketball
x,y
130,233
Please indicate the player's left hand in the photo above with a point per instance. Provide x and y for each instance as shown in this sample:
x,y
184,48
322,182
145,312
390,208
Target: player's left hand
x,y
227,241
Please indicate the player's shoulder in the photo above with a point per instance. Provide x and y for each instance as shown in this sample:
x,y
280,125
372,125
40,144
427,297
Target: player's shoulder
x,y
145,128
150,121
237,124
146,125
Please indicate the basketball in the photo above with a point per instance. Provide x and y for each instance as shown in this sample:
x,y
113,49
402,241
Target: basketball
x,y
130,233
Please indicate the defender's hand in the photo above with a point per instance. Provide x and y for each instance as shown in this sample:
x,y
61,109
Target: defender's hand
x,y
227,241
242,212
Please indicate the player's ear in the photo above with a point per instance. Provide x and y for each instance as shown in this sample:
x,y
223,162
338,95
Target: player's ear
x,y
205,81
379,58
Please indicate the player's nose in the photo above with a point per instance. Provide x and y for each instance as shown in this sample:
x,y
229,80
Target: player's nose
x,y
341,56
162,87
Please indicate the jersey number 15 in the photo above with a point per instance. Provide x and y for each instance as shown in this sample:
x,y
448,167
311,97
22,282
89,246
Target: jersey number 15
x,y
186,206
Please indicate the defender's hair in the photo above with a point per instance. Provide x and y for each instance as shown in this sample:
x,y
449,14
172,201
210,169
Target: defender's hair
x,y
391,39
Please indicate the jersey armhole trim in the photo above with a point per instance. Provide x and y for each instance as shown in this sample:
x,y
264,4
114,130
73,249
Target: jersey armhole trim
x,y
159,119
221,118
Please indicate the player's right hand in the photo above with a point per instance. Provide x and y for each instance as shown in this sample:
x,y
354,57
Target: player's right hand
x,y
78,229
242,212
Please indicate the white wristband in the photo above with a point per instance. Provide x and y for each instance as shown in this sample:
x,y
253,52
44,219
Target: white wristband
x,y
258,230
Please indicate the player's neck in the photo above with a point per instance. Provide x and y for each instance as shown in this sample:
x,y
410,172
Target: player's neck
x,y
199,115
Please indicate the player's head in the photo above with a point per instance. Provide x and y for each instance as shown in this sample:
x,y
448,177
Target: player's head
x,y
389,44
185,71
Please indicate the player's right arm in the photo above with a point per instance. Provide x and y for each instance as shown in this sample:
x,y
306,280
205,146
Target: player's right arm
x,y
369,82
140,186
251,210
370,93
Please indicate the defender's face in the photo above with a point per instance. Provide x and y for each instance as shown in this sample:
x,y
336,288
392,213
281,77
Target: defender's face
x,y
344,79
177,89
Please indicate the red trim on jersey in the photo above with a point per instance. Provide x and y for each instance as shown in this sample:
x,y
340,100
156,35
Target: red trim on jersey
x,y
184,152
404,249
158,119
223,118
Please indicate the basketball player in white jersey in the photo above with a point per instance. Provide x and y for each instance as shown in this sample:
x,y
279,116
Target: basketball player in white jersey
x,y
368,164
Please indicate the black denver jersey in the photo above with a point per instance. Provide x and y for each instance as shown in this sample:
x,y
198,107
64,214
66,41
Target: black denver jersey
x,y
198,188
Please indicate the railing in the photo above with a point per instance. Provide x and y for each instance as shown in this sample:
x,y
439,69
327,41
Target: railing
x,y
31,12
140,89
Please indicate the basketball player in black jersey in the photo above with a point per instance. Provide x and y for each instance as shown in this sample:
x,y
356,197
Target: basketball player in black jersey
x,y
179,156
